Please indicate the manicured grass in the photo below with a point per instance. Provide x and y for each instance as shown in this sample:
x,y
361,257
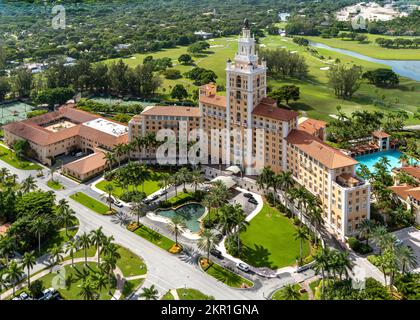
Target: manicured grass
x,y
371,49
130,286
130,264
167,296
71,290
226,276
269,240
150,187
10,157
277,294
55,185
154,237
314,285
317,98
192,294
90,203
59,239
181,198
91,251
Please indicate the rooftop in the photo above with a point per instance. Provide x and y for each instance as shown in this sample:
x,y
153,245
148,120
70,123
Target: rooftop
x,y
87,164
172,111
380,134
412,171
107,126
330,157
406,191
311,126
214,100
268,108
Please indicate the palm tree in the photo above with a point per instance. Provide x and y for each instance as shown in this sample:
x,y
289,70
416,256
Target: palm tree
x,y
321,264
197,179
28,261
149,293
87,291
4,173
56,255
100,280
108,265
406,258
207,242
137,207
379,236
85,243
344,264
184,176
14,273
96,238
301,235
72,247
38,227
290,292
28,184
165,182
110,159
111,250
241,224
119,151
139,142
174,182
109,189
177,226
316,220
366,227
65,216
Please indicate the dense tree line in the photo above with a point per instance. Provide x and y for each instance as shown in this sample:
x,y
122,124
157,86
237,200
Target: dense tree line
x,y
283,63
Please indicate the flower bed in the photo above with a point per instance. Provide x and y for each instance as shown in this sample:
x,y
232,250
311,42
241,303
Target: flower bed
x,y
176,248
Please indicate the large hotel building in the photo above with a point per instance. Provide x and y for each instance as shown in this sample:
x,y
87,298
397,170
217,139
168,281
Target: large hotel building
x,y
247,114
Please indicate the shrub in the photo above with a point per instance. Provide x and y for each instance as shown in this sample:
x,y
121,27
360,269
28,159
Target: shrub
x,y
176,248
36,288
358,246
133,226
231,245
296,221
130,196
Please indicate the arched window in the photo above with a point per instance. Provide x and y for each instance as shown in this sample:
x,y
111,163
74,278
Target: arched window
x,y
238,81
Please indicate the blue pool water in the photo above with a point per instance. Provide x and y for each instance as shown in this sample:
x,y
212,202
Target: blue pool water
x,y
190,212
370,159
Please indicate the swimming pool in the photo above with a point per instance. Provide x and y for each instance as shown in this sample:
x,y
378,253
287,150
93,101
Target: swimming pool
x,y
370,159
190,212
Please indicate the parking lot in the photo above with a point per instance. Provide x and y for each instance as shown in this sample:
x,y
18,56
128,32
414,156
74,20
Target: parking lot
x,y
411,237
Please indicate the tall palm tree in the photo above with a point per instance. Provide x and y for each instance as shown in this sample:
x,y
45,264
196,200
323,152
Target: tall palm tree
x,y
72,247
290,292
28,184
100,280
38,227
87,291
406,258
109,189
85,243
149,293
14,273
56,255
96,238
139,143
184,176
366,227
110,159
241,224
65,216
165,182
177,226
119,151
207,242
174,182
197,179
28,261
321,265
301,235
4,173
137,207
108,265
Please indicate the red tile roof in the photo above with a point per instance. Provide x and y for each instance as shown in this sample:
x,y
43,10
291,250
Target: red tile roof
x,y
172,111
412,171
311,126
406,191
268,108
380,134
330,157
214,100
87,164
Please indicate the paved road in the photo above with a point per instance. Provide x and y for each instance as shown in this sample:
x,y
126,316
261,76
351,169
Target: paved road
x,y
165,270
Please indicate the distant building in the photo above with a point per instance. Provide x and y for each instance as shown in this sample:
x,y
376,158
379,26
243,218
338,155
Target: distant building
x,y
203,34
122,46
59,133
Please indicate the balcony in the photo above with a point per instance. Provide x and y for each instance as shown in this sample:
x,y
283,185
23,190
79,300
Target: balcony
x,y
348,180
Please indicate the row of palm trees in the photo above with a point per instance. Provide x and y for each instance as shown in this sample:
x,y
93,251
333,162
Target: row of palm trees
x,y
122,151
307,203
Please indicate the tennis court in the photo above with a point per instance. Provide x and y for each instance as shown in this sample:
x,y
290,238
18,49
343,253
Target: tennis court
x,y
14,111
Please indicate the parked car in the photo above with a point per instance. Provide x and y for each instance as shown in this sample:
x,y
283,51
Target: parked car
x,y
242,266
117,202
24,296
219,237
163,192
216,253
248,195
252,200
153,198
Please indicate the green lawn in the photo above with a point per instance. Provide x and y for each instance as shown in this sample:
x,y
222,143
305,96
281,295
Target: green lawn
x,y
277,294
59,239
90,203
130,286
150,187
317,98
71,290
130,264
226,276
9,157
91,251
192,294
269,240
55,185
154,237
167,296
371,49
